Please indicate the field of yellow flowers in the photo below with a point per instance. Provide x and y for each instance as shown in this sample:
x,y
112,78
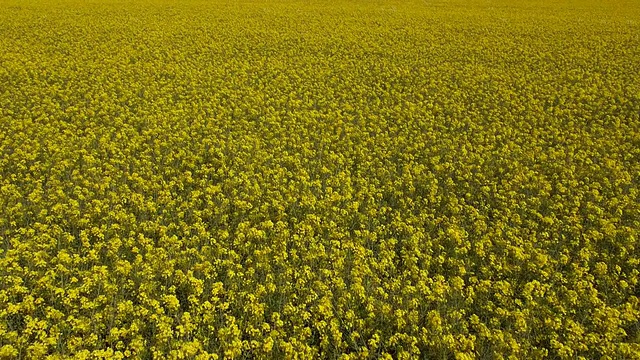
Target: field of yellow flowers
x,y
437,179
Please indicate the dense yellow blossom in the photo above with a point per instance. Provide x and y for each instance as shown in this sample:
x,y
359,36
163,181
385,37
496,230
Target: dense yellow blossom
x,y
350,179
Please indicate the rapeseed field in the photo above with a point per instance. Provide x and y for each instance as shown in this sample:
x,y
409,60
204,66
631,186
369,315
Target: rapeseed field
x,y
345,179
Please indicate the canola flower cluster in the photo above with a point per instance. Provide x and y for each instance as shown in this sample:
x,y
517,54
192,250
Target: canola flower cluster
x,y
310,179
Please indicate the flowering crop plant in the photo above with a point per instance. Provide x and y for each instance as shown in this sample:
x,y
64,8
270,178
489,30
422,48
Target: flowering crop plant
x,y
348,179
